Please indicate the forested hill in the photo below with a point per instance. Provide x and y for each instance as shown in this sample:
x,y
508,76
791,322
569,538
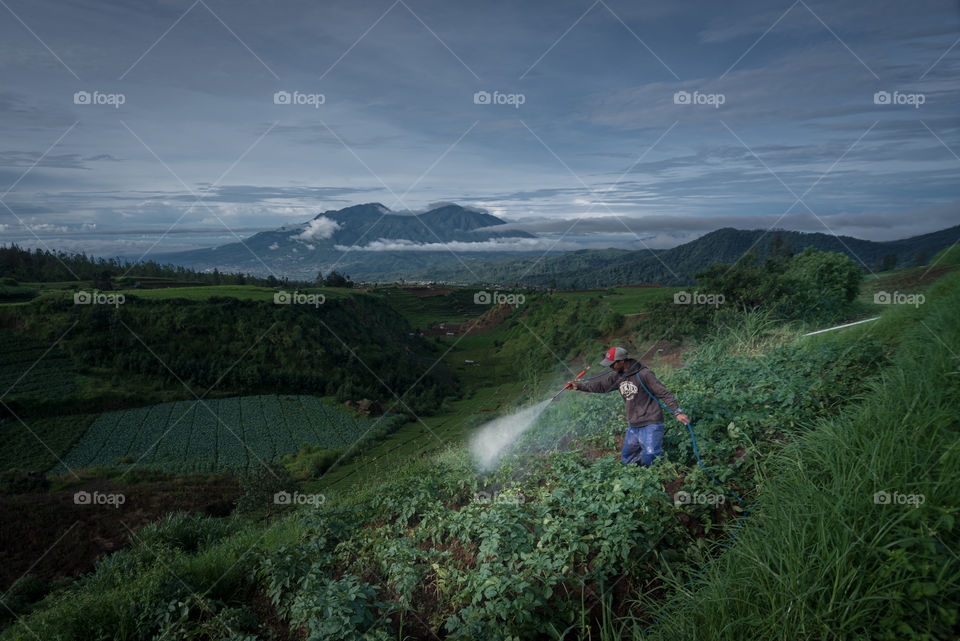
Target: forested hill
x,y
247,346
676,266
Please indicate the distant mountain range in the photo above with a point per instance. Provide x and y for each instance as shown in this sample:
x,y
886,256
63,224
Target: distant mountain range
x,y
320,244
676,266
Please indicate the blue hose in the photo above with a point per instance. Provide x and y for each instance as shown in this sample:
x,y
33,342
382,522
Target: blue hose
x,y
693,439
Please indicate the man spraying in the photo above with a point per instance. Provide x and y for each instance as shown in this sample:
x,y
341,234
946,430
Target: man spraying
x,y
644,440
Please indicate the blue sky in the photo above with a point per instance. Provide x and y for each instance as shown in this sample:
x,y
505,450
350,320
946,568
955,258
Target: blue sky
x,y
782,127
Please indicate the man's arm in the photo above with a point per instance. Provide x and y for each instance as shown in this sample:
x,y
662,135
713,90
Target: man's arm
x,y
604,384
659,390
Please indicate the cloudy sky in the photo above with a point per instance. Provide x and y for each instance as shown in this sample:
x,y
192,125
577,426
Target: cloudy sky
x,y
141,126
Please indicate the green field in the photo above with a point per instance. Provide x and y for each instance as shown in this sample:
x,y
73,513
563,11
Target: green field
x,y
216,435
38,444
424,311
241,292
625,300
161,289
32,368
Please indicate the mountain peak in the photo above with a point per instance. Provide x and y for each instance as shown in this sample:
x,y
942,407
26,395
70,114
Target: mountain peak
x,y
378,209
323,241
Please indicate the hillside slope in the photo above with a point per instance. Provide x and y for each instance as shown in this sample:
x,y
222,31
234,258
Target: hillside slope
x,y
538,546
676,266
860,519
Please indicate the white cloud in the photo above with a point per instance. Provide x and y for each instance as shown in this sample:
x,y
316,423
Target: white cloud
x,y
319,228
47,228
492,245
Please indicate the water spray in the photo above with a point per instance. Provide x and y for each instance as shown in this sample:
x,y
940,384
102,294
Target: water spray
x,y
497,435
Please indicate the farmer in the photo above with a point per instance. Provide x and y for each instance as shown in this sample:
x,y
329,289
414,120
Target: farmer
x,y
644,439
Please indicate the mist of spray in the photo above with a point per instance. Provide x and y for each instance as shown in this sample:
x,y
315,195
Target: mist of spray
x,y
491,440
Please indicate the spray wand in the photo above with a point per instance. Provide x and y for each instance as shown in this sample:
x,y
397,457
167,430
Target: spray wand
x,y
567,386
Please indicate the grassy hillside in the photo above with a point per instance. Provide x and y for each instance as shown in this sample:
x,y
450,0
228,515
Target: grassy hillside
x,y
563,539
411,539
859,520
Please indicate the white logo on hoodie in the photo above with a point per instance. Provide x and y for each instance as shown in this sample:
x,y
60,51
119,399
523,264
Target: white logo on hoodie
x,y
628,389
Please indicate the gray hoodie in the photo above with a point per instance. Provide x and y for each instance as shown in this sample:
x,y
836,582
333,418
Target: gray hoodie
x,y
641,409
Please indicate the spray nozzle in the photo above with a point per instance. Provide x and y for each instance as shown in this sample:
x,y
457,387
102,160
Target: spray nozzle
x,y
568,385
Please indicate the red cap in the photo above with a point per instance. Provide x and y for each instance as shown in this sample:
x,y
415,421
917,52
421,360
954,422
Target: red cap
x,y
612,355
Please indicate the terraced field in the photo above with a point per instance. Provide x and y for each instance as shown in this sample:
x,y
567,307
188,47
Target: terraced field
x,y
212,435
31,368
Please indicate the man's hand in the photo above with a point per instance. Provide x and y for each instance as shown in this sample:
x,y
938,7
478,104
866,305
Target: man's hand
x,y
683,418
572,385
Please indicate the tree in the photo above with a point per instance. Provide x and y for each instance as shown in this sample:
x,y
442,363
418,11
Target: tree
x,y
780,249
821,283
921,258
888,262
336,280
319,278
104,280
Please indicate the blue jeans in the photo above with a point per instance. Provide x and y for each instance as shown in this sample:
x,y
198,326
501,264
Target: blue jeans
x,y
643,444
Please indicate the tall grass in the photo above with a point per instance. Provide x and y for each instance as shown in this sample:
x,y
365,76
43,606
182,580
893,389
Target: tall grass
x,y
820,558
751,332
198,563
